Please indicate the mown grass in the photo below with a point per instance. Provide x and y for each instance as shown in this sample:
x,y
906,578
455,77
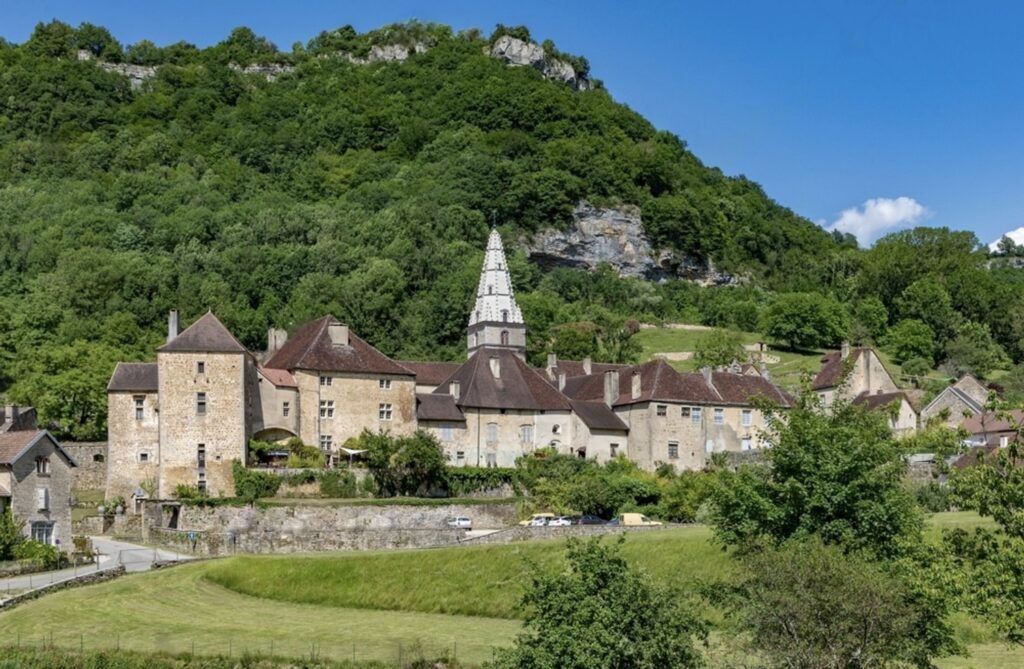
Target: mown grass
x,y
471,580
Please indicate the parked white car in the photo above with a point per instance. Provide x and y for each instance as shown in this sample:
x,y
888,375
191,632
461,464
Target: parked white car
x,y
561,521
539,522
462,523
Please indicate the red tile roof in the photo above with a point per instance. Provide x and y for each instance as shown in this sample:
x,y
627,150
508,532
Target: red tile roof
x,y
14,444
832,365
311,348
430,373
994,422
281,378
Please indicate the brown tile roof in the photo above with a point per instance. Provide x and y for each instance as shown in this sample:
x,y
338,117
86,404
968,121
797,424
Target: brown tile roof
x,y
519,386
994,422
659,381
431,406
988,453
879,400
831,371
14,444
310,348
574,368
134,377
597,416
281,378
430,373
206,335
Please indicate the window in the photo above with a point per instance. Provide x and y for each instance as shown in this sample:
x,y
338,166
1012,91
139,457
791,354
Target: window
x,y
492,433
140,407
662,410
719,416
326,380
200,404
201,483
526,434
504,315
446,432
200,367
490,290
684,412
144,457
695,414
614,448
285,409
745,444
327,408
673,450
556,429
460,456
43,499
98,457
43,466
747,418
385,384
201,456
326,442
504,337
42,532
384,411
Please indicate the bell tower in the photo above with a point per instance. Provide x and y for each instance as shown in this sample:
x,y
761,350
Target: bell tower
x,y
496,321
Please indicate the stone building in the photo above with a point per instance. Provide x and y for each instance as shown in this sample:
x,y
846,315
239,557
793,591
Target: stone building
x,y
35,483
183,419
901,414
15,418
848,373
956,403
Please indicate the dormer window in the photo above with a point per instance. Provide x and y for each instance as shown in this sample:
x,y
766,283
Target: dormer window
x,y
504,337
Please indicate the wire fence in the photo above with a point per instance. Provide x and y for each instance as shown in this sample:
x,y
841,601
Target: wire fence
x,y
379,652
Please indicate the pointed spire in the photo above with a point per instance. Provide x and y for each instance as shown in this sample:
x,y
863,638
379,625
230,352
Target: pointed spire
x,y
495,301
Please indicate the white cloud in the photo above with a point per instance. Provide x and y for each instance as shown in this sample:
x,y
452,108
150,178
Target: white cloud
x,y
879,215
1016,235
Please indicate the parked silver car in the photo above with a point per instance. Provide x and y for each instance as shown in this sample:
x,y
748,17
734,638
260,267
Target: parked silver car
x,y
461,523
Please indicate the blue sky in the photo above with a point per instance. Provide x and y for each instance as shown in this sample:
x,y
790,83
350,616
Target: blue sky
x,y
873,114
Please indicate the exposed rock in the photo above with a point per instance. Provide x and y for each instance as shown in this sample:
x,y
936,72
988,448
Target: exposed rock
x,y
269,71
518,53
616,237
137,74
387,53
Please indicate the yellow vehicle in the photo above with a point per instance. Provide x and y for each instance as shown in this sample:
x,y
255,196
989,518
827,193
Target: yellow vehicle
x,y
635,519
537,520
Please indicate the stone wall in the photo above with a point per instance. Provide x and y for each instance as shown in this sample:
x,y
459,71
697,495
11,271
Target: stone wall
x,y
133,443
85,579
56,481
516,534
91,472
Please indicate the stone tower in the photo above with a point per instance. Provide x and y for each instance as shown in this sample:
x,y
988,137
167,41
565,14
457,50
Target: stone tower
x,y
496,321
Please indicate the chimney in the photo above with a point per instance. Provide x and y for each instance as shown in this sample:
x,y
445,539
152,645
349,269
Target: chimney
x,y
561,381
552,361
844,350
338,334
276,338
172,325
495,366
455,390
611,387
635,390
587,365
763,368
706,373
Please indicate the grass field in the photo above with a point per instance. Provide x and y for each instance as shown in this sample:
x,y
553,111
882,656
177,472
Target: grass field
x,y
463,598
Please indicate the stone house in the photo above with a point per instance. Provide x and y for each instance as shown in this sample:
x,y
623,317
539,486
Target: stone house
x,y
956,403
847,373
902,417
14,418
35,483
988,433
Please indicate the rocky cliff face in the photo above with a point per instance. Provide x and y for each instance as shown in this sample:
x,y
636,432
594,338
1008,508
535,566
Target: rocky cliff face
x,y
616,237
389,53
518,53
269,71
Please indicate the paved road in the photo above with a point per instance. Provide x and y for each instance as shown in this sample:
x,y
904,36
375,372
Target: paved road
x,y
112,553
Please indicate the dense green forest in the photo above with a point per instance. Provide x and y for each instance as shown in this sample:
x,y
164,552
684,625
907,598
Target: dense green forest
x,y
366,190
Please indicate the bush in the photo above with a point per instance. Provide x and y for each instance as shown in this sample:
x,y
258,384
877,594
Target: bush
x,y
40,554
338,483
252,484
11,534
933,497
412,465
465,480
182,492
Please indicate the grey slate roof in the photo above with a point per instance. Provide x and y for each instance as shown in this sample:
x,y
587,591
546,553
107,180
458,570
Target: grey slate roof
x,y
519,386
597,416
206,335
138,377
430,406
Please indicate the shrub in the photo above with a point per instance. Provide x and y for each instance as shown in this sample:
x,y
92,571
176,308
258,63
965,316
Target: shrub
x,y
252,484
465,480
182,492
338,483
933,497
39,554
11,534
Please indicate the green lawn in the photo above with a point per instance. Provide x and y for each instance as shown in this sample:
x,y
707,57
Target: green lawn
x,y
380,601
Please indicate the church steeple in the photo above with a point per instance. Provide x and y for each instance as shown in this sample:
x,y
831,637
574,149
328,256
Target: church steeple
x,y
496,321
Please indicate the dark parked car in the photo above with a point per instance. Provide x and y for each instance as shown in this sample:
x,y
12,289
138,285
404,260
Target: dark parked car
x,y
589,520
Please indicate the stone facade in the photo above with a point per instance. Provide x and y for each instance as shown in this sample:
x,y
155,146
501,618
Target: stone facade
x,y
205,413
496,437
965,398
36,484
91,472
134,439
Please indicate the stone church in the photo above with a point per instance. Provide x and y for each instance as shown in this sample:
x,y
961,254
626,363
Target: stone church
x,y
184,419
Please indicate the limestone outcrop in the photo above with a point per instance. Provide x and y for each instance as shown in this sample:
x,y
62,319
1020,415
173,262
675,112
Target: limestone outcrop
x,y
518,53
616,237
388,53
269,71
